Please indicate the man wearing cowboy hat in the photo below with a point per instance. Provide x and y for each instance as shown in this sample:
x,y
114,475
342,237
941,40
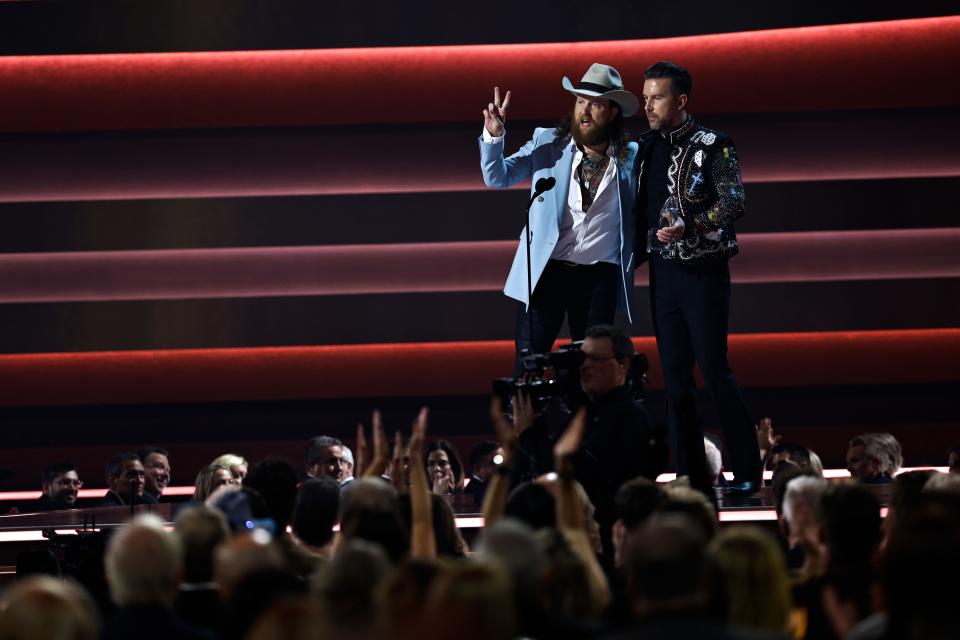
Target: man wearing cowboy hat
x,y
582,231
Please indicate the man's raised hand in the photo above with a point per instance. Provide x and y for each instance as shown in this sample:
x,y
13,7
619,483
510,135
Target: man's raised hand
x,y
496,113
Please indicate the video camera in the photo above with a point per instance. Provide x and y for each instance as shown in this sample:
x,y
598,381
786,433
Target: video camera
x,y
565,382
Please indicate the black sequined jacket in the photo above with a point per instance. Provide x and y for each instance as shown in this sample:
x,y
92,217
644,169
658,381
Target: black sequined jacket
x,y
704,174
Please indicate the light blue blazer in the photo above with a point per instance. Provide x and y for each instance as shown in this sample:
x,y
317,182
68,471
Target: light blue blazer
x,y
543,157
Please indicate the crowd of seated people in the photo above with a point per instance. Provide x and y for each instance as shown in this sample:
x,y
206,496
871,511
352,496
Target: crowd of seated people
x,y
579,540
365,545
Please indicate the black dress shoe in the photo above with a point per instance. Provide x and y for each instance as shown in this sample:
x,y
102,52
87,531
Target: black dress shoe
x,y
747,488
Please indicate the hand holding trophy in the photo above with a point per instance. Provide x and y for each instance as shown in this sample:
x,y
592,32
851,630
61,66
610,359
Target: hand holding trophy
x,y
669,229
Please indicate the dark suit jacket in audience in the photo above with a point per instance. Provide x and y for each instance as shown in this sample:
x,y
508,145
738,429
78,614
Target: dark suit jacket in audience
x,y
151,622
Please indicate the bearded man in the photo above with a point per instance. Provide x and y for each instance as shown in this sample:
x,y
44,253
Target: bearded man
x,y
582,231
696,170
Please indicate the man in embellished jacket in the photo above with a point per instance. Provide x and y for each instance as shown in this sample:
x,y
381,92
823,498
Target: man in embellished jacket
x,y
689,276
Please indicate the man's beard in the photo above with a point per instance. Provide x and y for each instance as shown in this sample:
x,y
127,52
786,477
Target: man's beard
x,y
596,135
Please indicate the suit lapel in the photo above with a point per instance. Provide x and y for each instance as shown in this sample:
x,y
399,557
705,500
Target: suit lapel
x,y
563,169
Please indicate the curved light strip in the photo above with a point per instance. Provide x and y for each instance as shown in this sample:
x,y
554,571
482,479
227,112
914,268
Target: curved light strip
x,y
815,256
847,66
8,496
440,368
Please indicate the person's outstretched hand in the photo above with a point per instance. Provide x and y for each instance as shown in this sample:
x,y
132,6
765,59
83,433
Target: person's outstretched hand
x,y
496,113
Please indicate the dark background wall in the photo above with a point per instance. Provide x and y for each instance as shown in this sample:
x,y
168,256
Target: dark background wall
x,y
122,26
829,413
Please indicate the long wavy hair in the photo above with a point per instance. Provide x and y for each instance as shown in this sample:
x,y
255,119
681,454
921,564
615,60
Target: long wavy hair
x,y
616,129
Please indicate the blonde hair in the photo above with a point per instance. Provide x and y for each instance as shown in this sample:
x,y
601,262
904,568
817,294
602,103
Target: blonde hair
x,y
755,575
203,485
230,460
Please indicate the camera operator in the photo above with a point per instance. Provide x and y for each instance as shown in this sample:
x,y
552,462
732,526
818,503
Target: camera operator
x,y
620,443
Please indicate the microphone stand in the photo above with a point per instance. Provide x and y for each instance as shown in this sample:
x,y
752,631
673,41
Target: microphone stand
x,y
133,494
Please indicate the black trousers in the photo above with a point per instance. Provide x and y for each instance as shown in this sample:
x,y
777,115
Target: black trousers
x,y
691,309
585,294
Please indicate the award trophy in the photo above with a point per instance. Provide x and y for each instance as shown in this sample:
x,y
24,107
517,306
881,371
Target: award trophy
x,y
669,214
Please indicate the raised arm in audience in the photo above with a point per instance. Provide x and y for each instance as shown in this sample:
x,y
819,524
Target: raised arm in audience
x,y
495,498
570,512
423,543
381,449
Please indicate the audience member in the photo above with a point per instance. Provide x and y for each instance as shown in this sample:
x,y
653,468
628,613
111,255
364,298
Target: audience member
x,y
315,513
714,460
668,580
450,543
513,545
346,587
907,491
693,504
798,455
444,469
400,568
485,457
347,474
801,526
143,564
774,452
874,458
126,479
290,618
156,467
943,483
553,484
255,594
532,504
200,530
919,568
246,553
275,479
471,601
402,597
953,459
48,608
60,484
370,511
236,464
211,478
636,501
324,457
754,576
399,468
850,517
784,474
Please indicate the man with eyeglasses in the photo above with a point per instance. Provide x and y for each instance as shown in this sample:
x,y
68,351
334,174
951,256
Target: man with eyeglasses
x,y
619,443
60,484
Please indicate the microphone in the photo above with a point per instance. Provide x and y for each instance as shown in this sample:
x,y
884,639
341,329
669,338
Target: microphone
x,y
543,185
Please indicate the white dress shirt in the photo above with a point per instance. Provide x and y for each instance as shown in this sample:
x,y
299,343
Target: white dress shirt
x,y
591,236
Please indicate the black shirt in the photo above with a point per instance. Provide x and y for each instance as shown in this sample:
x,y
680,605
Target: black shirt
x,y
46,503
112,499
653,187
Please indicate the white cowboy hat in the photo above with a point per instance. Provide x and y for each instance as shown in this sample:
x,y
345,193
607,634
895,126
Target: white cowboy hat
x,y
603,81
